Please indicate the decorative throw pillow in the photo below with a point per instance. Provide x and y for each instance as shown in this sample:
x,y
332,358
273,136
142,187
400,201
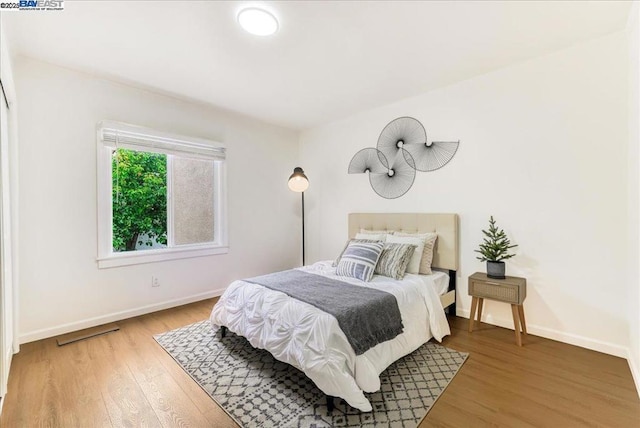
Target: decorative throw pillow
x,y
429,247
359,260
336,261
394,259
414,263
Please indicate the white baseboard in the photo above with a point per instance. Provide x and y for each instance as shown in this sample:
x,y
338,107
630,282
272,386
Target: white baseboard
x,y
635,371
571,339
116,316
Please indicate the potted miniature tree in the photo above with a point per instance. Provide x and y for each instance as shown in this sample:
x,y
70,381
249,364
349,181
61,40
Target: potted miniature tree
x,y
494,250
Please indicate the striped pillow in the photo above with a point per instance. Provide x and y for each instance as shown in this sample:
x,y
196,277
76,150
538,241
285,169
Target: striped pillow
x,y
394,260
414,263
359,260
336,261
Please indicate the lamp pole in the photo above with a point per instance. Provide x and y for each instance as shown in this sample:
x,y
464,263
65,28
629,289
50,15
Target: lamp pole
x,y
298,182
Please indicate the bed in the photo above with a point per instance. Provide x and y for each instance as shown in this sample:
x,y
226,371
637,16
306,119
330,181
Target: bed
x,y
311,340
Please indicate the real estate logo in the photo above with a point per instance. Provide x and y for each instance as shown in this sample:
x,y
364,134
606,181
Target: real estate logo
x,y
33,5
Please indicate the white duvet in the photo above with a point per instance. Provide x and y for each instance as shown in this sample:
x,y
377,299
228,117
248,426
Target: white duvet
x,y
311,340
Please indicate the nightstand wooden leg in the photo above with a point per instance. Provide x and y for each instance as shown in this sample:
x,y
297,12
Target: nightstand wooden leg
x,y
523,324
472,315
516,323
480,303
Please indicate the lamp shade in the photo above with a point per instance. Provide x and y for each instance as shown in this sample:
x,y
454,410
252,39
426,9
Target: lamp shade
x,y
298,182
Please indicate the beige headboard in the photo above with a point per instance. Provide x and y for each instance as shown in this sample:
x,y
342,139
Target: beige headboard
x,y
446,253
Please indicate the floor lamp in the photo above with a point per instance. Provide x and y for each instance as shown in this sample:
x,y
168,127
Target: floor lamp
x,y
298,182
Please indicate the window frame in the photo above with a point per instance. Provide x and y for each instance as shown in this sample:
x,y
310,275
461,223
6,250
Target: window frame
x,y
107,258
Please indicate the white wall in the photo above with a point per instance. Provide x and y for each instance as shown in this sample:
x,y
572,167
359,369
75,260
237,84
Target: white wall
x,y
543,149
633,283
61,287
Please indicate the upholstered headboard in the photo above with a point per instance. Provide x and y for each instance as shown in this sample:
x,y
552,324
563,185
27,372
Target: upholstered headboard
x,y
446,253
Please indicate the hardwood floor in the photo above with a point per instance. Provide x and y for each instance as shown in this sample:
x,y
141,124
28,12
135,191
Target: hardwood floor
x,y
126,379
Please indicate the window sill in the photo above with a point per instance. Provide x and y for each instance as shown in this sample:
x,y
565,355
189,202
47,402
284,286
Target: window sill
x,y
152,256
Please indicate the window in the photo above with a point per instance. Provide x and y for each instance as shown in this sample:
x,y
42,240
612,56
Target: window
x,y
160,196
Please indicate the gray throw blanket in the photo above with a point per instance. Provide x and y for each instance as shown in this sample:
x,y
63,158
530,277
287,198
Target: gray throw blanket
x,y
365,315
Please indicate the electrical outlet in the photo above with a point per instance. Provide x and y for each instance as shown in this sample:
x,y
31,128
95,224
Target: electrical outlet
x,y
155,281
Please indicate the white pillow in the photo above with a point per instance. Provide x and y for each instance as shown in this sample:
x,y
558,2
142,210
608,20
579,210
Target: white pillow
x,y
429,247
414,264
372,236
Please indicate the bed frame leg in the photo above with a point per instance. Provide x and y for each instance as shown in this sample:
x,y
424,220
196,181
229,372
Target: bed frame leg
x,y
330,404
223,331
452,286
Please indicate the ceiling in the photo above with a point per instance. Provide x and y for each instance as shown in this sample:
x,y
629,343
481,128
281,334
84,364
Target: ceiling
x,y
329,59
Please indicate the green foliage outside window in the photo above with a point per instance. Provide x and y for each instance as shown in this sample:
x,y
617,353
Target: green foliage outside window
x,y
139,199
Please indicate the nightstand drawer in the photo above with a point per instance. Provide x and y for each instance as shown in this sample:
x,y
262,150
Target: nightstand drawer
x,y
511,289
492,290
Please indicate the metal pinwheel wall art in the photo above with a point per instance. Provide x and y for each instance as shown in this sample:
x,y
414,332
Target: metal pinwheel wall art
x,y
402,150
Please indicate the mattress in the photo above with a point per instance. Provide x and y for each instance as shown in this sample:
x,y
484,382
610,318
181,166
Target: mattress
x,y
441,280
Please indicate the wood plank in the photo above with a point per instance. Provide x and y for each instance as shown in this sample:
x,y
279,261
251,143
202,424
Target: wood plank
x,y
158,383
127,379
538,381
125,401
78,390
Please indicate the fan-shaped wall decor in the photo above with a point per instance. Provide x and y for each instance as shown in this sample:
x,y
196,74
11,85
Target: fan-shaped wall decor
x,y
400,133
368,160
402,150
397,179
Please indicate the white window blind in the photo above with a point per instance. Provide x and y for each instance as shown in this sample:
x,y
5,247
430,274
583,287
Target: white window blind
x,y
122,135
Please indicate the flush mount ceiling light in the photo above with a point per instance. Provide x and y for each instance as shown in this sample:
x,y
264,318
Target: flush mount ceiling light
x,y
257,21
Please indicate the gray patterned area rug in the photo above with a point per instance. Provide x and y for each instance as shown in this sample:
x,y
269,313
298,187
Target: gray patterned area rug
x,y
257,390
